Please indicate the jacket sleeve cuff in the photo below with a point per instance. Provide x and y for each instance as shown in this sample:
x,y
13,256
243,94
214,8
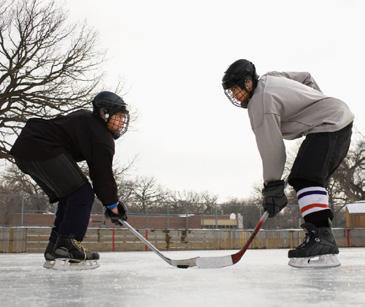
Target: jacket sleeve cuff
x,y
112,206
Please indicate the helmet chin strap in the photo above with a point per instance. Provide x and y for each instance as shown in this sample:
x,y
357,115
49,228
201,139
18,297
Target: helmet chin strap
x,y
244,104
116,135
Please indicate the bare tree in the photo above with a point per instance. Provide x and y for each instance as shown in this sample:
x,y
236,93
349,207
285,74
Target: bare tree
x,y
183,202
146,192
348,182
125,186
209,202
47,67
192,202
14,181
250,209
19,192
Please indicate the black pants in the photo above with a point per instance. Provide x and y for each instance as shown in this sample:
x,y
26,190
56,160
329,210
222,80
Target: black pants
x,y
63,181
73,213
318,157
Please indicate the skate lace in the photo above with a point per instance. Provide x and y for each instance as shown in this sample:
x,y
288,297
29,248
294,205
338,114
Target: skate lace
x,y
79,245
306,240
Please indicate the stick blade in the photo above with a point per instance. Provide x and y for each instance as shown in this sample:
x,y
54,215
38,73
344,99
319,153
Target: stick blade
x,y
214,262
183,263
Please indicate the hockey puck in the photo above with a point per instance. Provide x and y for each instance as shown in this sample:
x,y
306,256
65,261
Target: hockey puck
x,y
182,266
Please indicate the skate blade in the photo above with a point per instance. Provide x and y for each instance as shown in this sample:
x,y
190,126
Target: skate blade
x,y
61,264
322,261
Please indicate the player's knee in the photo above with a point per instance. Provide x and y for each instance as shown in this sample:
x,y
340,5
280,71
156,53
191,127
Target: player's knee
x,y
84,195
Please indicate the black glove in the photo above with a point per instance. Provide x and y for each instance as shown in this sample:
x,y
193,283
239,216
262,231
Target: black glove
x,y
274,197
122,213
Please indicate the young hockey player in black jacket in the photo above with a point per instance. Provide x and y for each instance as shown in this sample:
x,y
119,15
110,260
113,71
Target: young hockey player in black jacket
x,y
48,150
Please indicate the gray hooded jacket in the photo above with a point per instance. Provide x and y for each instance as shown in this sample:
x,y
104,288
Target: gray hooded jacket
x,y
288,105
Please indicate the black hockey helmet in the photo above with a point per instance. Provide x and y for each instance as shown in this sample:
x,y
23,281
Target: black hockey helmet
x,y
237,74
105,104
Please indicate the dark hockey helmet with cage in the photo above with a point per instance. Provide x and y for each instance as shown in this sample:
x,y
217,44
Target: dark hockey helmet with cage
x,y
105,104
237,74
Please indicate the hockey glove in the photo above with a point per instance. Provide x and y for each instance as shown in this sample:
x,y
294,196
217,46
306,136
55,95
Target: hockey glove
x,y
122,212
274,198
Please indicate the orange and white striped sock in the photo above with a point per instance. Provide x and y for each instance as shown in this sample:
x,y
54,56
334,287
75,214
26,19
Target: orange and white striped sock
x,y
312,199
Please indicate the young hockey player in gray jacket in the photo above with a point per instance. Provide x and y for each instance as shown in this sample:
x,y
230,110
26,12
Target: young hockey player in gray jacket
x,y
289,105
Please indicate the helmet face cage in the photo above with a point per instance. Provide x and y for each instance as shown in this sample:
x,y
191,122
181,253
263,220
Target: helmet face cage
x,y
228,92
241,83
113,124
125,125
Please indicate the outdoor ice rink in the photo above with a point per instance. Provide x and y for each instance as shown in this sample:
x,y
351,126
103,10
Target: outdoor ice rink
x,y
261,278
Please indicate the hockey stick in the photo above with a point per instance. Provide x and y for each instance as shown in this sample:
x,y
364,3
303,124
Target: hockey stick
x,y
183,263
222,261
202,262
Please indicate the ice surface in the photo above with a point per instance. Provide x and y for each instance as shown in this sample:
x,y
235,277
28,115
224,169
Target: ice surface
x,y
261,278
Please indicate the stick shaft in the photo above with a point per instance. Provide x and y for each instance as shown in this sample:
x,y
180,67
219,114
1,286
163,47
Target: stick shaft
x,y
139,236
236,257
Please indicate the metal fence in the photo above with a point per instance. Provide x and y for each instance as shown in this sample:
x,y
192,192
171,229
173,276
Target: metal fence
x,y
16,208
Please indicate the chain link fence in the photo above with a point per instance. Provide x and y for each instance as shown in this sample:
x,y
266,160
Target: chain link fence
x,y
21,209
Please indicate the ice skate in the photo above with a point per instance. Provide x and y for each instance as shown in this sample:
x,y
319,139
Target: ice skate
x,y
318,250
49,254
69,254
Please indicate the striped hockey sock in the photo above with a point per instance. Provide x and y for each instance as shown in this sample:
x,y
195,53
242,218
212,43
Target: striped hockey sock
x,y
312,199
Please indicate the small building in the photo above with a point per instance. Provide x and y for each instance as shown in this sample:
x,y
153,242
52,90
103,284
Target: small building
x,y
355,215
220,221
